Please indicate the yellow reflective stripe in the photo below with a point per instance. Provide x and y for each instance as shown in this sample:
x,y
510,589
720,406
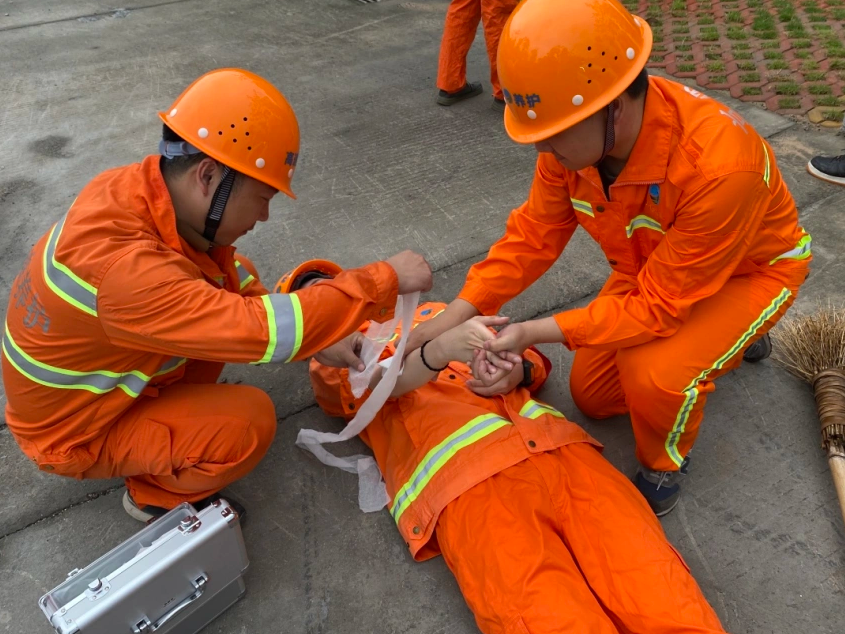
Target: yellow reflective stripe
x,y
284,327
534,409
64,282
583,206
643,222
768,171
802,250
691,391
98,381
434,460
244,275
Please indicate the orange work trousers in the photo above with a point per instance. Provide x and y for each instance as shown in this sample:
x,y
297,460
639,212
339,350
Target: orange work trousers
x,y
190,441
563,543
462,20
664,383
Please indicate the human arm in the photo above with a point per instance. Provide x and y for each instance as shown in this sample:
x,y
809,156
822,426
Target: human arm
x,y
698,254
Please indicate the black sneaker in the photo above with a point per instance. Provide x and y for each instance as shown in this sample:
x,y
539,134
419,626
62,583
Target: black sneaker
x,y
830,169
661,489
468,91
148,514
759,350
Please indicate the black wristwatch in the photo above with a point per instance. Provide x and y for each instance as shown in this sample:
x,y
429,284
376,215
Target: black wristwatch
x,y
527,373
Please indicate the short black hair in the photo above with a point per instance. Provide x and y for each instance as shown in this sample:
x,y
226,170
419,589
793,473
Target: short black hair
x,y
639,86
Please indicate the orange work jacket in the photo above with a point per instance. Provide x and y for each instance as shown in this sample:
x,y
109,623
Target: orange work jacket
x,y
440,440
700,200
112,301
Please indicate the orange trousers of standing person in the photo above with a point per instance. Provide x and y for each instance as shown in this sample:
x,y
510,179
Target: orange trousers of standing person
x,y
462,20
563,543
191,440
664,383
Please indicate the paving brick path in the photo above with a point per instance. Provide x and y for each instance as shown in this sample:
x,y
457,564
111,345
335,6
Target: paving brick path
x,y
788,54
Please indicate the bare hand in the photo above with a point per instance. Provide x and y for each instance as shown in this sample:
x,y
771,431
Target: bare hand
x,y
459,343
490,380
344,353
413,271
513,339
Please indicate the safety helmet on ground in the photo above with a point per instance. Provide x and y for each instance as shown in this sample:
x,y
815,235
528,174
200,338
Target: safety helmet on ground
x,y
560,62
304,273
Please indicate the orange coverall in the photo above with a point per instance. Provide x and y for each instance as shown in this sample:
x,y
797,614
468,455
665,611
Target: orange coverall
x,y
541,532
117,330
702,235
462,20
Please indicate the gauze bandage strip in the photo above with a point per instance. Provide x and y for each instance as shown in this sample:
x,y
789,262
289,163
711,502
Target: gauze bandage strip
x,y
372,494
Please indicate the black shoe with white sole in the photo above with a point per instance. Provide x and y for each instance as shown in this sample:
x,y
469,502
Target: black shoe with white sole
x,y
149,513
828,168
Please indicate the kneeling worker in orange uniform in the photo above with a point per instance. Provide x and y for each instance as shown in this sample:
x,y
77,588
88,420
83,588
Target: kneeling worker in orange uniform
x,y
687,203
542,534
120,322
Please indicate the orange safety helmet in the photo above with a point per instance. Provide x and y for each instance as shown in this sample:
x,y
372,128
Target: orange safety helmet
x,y
293,280
560,62
241,120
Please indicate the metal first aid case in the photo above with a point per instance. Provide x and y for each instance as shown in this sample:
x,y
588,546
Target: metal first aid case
x,y
173,577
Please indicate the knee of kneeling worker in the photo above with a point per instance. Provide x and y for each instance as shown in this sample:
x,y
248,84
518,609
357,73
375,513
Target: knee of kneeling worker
x,y
588,396
642,380
261,414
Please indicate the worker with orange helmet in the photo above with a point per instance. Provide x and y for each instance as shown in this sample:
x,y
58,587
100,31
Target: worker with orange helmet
x,y
542,534
685,199
121,320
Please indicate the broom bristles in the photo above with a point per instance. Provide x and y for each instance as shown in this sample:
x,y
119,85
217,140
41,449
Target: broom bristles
x,y
808,344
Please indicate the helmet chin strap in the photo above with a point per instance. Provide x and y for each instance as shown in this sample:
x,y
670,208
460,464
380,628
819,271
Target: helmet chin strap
x,y
218,203
609,134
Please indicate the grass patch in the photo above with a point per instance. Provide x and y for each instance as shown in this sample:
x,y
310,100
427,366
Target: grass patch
x,y
803,54
751,90
839,14
686,68
829,100
679,5
815,75
749,78
837,64
713,56
718,79
821,28
766,35
734,16
743,55
772,55
715,67
835,53
778,64
802,44
747,66
789,103
706,19
769,45
763,21
686,58
683,47
810,65
741,46
708,35
833,115
657,57
737,33
787,88
755,4
819,89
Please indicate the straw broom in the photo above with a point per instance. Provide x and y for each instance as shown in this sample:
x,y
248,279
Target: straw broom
x,y
812,347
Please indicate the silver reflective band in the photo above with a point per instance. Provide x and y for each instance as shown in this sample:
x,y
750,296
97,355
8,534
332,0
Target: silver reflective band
x,y
62,281
99,381
244,276
284,323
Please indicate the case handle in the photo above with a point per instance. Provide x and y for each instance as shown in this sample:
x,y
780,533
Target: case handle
x,y
144,626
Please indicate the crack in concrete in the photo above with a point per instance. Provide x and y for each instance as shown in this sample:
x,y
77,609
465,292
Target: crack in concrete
x,y
102,14
90,497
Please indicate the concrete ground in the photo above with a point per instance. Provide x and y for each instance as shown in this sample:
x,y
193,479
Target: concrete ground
x,y
382,169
